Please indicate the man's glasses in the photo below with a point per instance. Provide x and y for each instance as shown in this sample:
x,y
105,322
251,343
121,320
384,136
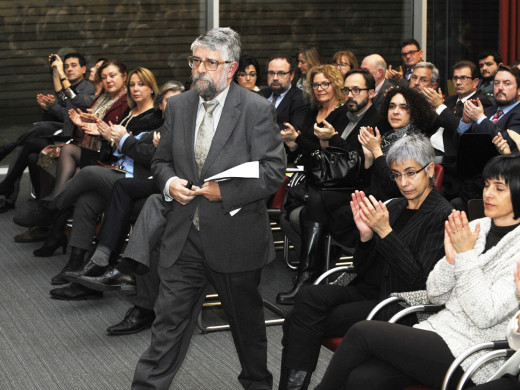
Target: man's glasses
x,y
355,91
209,64
409,53
408,175
244,74
324,85
279,74
422,79
461,78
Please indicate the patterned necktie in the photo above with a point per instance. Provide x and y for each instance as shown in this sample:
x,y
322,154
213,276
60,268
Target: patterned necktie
x,y
205,134
456,106
497,116
275,98
203,143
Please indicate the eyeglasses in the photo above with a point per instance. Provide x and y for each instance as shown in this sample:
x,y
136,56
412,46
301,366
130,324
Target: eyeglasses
x,y
324,85
279,74
461,78
355,91
422,79
209,64
341,65
408,175
402,107
244,74
411,52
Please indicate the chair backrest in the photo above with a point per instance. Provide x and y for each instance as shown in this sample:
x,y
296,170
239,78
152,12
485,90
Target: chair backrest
x,y
438,175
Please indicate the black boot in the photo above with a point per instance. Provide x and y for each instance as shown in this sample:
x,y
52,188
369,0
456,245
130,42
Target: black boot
x,y
293,378
311,260
56,237
75,262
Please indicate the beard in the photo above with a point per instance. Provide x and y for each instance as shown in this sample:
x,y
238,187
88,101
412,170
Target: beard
x,y
278,88
502,102
353,106
208,89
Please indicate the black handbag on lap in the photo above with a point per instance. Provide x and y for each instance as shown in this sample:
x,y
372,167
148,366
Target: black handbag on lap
x,y
333,167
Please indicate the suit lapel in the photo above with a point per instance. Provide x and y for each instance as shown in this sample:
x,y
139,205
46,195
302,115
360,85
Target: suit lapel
x,y
226,125
189,132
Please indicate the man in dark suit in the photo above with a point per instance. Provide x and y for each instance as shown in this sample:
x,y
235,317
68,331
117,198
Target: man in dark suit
x,y
216,232
496,119
412,54
376,65
289,102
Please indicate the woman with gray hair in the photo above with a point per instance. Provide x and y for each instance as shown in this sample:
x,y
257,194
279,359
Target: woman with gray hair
x,y
398,245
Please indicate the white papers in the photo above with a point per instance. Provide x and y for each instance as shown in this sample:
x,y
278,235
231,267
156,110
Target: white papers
x,y
248,170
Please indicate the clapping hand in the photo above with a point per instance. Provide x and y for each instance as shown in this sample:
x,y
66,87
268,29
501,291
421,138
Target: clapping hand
x,y
394,75
371,139
365,232
459,238
289,135
473,111
433,97
75,117
156,138
45,101
515,137
501,144
324,133
375,215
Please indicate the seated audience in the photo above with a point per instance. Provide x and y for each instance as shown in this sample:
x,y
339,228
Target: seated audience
x,y
308,57
90,188
344,60
376,65
488,63
474,281
72,91
397,247
248,73
412,54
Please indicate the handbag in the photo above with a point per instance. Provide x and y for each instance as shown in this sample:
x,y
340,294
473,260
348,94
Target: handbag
x,y
334,167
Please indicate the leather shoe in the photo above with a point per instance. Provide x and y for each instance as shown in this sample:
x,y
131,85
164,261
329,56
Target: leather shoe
x,y
89,269
136,320
112,280
75,292
33,234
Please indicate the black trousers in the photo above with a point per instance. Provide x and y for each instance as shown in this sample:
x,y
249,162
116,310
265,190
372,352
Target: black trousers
x,y
181,294
383,356
127,200
321,311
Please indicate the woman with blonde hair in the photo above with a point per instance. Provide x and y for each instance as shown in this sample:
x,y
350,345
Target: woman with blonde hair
x,y
308,57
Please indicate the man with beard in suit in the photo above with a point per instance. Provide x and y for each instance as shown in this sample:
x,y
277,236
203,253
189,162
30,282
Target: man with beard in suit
x,y
215,232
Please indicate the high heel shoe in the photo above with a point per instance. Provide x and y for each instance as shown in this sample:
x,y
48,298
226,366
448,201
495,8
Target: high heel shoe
x,y
50,247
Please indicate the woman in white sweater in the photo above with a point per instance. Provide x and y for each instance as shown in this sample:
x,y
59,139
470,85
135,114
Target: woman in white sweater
x,y
475,283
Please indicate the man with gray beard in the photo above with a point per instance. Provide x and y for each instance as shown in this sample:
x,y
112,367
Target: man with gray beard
x,y
215,232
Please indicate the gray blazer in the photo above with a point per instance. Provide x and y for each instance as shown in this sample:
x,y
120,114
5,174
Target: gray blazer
x,y
247,131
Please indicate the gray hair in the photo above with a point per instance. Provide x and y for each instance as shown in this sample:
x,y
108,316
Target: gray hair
x,y
173,86
222,39
414,147
429,65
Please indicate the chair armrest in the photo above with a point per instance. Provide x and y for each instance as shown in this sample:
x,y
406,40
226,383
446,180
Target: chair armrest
x,y
415,309
480,361
345,268
464,355
381,305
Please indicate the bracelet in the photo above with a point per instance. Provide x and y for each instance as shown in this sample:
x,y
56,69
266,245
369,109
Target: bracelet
x,y
63,79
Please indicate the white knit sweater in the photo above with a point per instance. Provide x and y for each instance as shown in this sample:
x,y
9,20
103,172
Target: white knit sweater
x,y
479,295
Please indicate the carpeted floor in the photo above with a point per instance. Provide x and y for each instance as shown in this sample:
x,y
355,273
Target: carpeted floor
x,y
50,344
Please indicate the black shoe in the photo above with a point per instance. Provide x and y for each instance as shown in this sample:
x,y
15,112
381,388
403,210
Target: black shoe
x,y
136,320
75,262
75,292
89,269
43,215
50,246
33,234
5,206
112,280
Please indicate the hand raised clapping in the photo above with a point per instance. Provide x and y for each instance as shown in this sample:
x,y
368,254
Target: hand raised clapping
x,y
372,213
458,237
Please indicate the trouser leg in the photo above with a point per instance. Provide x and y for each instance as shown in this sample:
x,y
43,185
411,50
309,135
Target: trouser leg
x,y
181,294
380,355
243,307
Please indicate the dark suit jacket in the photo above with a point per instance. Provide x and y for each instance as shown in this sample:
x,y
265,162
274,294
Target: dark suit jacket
x,y
379,97
408,257
292,109
247,131
511,121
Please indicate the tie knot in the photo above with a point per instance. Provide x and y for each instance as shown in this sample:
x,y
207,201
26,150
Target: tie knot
x,y
210,106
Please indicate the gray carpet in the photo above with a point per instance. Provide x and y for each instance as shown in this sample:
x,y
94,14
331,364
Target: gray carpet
x,y
50,344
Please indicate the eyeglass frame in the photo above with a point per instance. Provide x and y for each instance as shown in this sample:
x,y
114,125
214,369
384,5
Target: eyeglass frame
x,y
409,175
463,78
344,90
411,52
192,65
341,65
316,86
245,74
280,74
